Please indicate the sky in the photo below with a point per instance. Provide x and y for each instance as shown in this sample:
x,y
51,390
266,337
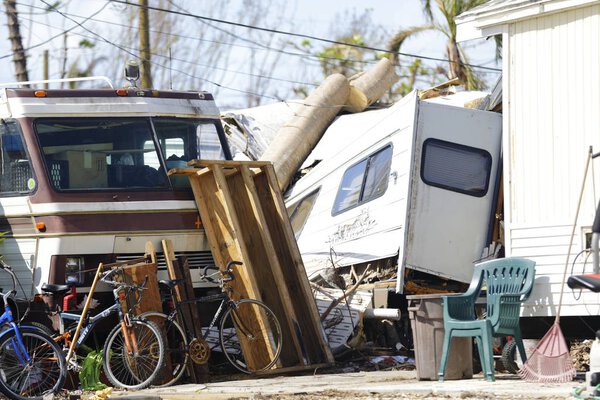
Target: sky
x,y
247,66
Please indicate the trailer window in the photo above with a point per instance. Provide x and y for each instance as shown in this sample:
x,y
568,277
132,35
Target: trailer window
x,y
17,176
364,181
456,167
300,210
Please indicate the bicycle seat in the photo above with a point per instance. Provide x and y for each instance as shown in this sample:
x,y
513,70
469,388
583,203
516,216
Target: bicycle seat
x,y
56,289
588,281
171,283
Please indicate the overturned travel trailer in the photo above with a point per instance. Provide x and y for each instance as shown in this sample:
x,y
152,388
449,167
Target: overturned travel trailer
x,y
84,178
415,184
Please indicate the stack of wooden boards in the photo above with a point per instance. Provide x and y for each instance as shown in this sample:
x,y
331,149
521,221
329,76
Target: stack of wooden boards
x,y
245,219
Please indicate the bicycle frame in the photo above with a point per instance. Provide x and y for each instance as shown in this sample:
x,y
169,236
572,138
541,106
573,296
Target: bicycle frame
x,y
7,319
91,321
225,300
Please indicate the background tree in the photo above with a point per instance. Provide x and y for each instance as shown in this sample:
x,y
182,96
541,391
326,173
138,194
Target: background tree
x,y
14,35
448,10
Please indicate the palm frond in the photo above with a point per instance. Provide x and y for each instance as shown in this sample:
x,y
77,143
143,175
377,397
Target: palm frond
x,y
398,39
427,9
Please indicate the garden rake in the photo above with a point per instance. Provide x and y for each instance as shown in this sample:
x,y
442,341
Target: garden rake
x,y
551,360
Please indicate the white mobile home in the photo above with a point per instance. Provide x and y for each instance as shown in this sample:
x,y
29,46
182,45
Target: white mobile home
x,y
414,182
551,104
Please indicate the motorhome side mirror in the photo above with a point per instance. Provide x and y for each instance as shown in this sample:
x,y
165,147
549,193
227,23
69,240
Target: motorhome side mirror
x,y
132,72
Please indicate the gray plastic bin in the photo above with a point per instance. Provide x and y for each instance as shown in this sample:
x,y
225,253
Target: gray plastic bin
x,y
427,323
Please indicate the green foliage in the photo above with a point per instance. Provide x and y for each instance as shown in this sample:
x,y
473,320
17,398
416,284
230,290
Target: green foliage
x,y
343,59
53,6
442,20
86,44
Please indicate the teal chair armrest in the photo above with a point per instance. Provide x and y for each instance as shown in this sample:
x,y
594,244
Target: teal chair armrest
x,y
459,307
462,306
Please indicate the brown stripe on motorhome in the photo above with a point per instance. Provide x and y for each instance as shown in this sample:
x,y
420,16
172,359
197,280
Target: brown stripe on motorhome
x,y
119,221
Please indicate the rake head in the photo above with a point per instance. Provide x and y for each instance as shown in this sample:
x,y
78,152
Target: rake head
x,y
550,361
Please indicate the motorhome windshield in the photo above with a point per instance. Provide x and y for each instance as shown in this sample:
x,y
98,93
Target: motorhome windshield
x,y
122,153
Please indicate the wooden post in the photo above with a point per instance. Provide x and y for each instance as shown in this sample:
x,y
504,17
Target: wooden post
x,y
84,312
189,312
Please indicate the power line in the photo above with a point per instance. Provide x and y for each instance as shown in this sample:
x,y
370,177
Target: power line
x,y
124,47
300,35
216,84
260,46
139,58
189,62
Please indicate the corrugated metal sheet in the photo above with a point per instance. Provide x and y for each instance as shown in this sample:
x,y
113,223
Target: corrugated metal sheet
x,y
553,118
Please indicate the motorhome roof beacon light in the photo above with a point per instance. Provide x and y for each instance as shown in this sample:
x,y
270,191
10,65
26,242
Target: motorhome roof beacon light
x,y
132,72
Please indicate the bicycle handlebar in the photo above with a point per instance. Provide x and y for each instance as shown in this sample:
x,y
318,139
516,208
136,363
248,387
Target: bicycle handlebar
x,y
122,284
13,291
209,277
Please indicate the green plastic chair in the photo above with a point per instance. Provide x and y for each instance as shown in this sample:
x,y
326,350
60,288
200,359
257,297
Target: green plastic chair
x,y
508,283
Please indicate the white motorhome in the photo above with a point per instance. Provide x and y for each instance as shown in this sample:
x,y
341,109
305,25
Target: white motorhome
x,y
416,182
84,177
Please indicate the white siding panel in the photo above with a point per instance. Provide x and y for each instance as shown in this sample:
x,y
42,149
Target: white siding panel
x,y
553,117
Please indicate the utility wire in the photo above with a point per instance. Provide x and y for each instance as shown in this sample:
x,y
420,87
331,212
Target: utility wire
x,y
163,66
216,84
259,45
300,35
190,62
319,58
131,49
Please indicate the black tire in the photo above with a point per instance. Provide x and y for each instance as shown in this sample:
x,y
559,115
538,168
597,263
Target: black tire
x,y
44,374
43,328
235,322
136,370
508,358
177,346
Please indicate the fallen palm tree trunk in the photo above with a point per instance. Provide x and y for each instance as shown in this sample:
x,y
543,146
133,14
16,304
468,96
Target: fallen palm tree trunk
x,y
368,87
297,138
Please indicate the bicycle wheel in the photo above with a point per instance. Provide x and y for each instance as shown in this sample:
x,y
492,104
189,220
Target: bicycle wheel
x,y
177,346
255,324
43,374
140,365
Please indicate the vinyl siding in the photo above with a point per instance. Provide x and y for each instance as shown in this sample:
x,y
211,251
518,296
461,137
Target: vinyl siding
x,y
553,116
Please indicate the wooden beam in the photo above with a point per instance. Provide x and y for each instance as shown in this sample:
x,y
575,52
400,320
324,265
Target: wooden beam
x,y
189,312
279,300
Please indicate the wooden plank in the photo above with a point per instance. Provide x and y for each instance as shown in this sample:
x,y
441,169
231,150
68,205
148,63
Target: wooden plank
x,y
216,222
292,265
227,163
137,274
150,252
257,352
245,283
189,312
279,300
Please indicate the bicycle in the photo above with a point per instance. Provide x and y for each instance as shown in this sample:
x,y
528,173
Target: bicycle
x,y
134,351
32,365
251,319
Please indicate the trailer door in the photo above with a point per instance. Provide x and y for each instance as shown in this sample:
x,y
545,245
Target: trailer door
x,y
456,159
